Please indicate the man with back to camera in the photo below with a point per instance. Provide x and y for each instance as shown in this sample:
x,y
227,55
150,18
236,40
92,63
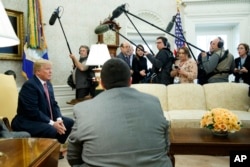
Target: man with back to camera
x,y
162,62
220,64
114,129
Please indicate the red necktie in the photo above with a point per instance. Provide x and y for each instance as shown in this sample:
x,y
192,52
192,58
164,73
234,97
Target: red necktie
x,y
47,95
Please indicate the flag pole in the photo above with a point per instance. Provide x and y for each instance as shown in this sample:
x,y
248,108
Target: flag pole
x,y
181,31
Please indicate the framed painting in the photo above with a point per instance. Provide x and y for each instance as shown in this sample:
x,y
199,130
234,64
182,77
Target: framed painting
x,y
14,52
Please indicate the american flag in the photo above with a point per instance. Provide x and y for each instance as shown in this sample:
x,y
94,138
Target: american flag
x,y
179,32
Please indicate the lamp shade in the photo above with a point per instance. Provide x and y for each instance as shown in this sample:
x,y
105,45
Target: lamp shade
x,y
8,36
98,55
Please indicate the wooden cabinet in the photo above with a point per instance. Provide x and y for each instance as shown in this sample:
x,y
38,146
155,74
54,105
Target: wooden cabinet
x,y
111,37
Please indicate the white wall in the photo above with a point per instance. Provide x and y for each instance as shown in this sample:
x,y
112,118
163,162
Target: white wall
x,y
79,19
234,15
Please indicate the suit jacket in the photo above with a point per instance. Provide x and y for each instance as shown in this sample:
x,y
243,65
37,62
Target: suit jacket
x,y
244,76
33,107
123,57
119,127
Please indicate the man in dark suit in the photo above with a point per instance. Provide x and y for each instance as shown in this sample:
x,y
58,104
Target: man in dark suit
x,y
126,54
120,126
38,112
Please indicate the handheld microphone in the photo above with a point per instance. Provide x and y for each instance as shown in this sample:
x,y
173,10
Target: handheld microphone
x,y
117,12
54,16
171,24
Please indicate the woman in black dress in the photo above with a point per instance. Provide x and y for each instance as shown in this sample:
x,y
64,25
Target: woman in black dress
x,y
139,66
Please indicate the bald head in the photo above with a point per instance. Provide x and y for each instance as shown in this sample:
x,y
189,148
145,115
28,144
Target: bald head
x,y
125,48
216,44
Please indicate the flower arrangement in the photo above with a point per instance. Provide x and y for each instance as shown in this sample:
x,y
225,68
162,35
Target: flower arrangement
x,y
220,120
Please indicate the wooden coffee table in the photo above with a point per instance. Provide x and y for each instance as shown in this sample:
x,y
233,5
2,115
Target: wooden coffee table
x,y
29,152
200,141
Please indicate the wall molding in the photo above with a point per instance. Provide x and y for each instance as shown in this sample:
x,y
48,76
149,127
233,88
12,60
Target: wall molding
x,y
64,93
150,17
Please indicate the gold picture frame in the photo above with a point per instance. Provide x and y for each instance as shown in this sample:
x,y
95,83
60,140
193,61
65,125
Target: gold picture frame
x,y
14,52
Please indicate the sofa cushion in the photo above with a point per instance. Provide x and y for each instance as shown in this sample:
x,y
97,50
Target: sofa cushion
x,y
158,90
166,115
232,96
185,97
185,118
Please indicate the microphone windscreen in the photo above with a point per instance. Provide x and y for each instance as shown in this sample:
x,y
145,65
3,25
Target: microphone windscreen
x,y
102,29
170,26
117,12
53,18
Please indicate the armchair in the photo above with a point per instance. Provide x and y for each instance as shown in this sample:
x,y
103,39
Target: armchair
x,y
8,98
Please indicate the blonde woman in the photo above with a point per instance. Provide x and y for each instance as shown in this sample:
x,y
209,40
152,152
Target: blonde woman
x,y
185,68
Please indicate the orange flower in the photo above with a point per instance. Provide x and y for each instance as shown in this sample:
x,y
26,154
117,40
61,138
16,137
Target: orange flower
x,y
220,119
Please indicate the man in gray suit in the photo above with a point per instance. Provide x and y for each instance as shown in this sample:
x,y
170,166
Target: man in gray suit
x,y
120,126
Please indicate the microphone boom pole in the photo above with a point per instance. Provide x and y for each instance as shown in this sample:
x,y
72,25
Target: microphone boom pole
x,y
139,34
161,29
123,37
52,21
64,35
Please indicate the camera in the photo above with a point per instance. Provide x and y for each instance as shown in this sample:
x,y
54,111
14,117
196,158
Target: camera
x,y
176,67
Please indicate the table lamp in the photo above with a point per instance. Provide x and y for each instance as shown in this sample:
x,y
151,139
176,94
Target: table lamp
x,y
8,36
98,55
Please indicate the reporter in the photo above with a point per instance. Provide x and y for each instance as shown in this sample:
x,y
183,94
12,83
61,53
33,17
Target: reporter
x,y
185,68
242,64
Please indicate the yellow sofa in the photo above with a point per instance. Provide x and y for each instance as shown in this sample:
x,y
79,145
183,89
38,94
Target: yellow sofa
x,y
185,104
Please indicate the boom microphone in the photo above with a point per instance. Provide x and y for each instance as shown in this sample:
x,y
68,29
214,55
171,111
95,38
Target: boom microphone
x,y
117,12
54,16
171,24
102,28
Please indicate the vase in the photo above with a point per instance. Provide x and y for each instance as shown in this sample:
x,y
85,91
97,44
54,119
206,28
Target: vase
x,y
220,133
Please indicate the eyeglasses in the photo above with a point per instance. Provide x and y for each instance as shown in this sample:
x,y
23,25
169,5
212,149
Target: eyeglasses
x,y
181,53
240,48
